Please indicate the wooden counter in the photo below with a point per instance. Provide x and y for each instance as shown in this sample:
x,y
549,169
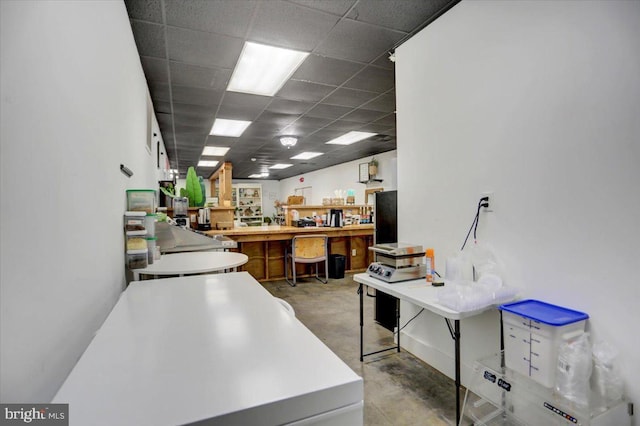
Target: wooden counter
x,y
265,247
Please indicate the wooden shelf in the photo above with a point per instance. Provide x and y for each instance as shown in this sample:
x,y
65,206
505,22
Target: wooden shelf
x,y
305,210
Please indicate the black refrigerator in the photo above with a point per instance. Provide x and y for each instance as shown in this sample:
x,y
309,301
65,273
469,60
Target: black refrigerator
x,y
385,218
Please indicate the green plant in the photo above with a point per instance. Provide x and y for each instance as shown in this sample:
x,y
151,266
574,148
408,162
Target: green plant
x,y
168,191
194,190
373,167
267,220
183,192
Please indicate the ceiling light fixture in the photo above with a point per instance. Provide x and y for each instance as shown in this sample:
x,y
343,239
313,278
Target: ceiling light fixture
x,y
263,70
351,137
306,155
233,128
215,151
280,166
288,141
259,175
205,163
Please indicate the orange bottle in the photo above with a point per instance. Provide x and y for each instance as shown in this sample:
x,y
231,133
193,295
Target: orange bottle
x,y
430,264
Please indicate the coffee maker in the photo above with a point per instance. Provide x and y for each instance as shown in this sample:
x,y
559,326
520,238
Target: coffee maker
x,y
204,219
335,219
181,211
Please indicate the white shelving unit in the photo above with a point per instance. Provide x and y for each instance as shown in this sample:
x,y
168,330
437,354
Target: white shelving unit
x,y
499,396
247,198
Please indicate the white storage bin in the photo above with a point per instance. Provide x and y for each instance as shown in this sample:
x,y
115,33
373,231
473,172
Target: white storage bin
x,y
533,332
137,259
134,223
141,200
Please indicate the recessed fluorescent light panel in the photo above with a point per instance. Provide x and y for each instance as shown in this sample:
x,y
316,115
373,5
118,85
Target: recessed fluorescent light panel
x,y
215,151
232,128
263,70
306,155
351,137
259,175
280,166
204,163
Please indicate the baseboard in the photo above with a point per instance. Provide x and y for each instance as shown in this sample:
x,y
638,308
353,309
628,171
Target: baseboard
x,y
439,360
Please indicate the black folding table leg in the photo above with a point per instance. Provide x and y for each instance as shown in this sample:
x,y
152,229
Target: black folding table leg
x,y
360,291
398,321
457,343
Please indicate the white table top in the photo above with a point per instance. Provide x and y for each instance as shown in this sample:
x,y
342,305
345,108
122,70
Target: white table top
x,y
420,293
179,350
194,262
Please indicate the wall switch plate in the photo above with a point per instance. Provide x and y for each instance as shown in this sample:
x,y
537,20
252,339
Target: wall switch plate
x,y
491,201
353,252
192,217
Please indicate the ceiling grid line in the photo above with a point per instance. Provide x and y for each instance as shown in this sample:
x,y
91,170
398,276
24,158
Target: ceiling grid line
x,y
166,46
189,49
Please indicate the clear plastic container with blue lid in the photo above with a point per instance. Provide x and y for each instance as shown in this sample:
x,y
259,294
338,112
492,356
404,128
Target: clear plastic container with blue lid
x,y
544,312
533,332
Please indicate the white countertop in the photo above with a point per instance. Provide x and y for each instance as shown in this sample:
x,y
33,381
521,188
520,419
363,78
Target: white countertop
x,y
420,293
180,350
194,262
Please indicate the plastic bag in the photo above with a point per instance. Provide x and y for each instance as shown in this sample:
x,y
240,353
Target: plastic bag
x,y
574,370
606,379
464,296
484,261
458,267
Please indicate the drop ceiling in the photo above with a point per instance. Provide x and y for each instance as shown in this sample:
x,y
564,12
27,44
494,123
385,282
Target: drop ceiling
x,y
189,48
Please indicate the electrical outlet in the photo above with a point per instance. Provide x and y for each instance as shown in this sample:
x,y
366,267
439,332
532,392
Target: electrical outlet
x,y
192,218
353,252
492,200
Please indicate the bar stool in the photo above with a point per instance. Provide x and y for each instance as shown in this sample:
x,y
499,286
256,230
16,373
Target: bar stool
x,y
307,249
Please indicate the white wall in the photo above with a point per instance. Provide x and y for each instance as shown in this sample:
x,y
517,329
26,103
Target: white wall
x,y
540,103
342,176
73,109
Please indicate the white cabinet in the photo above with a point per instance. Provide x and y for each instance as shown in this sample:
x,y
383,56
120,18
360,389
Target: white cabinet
x,y
141,369
247,199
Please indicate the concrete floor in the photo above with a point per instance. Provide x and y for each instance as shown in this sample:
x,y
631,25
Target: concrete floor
x,y
399,389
